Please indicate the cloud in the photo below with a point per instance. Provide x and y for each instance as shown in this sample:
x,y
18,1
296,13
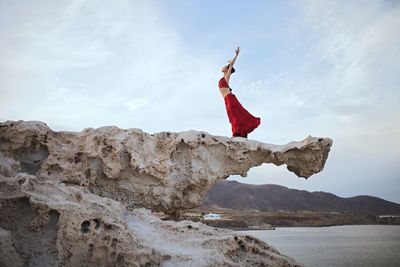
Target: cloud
x,y
95,62
137,103
345,65
358,50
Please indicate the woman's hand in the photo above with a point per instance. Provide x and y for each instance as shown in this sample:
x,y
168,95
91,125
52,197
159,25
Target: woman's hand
x,y
237,51
232,61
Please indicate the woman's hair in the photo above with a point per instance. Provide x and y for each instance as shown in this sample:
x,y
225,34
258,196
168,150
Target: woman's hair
x,y
232,70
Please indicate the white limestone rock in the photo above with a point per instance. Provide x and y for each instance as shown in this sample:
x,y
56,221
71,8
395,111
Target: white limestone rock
x,y
54,224
8,254
84,199
163,172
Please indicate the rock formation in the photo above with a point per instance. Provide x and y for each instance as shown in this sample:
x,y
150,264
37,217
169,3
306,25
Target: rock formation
x,y
84,199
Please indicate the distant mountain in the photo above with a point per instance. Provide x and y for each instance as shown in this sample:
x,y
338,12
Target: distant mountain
x,y
270,197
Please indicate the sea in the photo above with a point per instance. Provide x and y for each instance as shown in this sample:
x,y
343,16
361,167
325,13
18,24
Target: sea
x,y
350,245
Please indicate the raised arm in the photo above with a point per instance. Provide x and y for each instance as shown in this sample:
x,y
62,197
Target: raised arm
x,y
231,62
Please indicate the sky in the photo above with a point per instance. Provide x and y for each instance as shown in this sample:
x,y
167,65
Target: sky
x,y
320,68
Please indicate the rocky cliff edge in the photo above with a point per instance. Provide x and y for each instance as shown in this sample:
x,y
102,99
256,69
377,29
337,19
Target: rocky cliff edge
x,y
85,198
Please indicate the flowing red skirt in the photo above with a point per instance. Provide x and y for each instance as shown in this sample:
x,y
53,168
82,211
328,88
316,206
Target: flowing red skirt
x,y
241,120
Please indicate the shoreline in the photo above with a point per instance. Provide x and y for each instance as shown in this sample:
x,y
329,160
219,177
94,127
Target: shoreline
x,y
322,226
257,220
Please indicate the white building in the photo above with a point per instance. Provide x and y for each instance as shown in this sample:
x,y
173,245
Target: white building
x,y
212,216
389,216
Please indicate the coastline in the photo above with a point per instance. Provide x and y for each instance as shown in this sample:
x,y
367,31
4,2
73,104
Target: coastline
x,y
244,220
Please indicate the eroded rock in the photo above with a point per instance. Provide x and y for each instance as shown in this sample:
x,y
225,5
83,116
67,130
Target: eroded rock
x,y
163,172
8,254
83,199
54,224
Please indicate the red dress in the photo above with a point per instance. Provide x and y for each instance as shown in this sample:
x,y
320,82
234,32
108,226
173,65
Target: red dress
x,y
241,120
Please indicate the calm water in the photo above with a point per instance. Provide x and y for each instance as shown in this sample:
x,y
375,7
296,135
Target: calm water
x,y
355,245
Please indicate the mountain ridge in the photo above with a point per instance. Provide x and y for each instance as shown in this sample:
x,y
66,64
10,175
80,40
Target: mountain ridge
x,y
273,197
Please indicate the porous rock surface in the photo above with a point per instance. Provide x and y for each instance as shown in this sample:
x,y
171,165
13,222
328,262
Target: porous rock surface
x,y
84,199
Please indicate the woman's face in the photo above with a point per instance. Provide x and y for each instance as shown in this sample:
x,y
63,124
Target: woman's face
x,y
224,69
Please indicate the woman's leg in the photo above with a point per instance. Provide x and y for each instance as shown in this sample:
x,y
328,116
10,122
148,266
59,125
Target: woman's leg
x,y
241,120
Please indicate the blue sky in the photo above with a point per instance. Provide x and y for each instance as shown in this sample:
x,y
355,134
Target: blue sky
x,y
324,68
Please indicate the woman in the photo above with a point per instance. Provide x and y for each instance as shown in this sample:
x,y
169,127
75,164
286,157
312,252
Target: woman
x,y
241,120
